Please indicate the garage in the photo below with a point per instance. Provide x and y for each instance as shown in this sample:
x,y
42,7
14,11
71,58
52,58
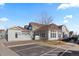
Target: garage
x,y
18,34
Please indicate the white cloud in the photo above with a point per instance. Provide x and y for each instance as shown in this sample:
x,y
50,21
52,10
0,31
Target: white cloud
x,y
65,21
67,18
2,3
3,19
2,27
68,5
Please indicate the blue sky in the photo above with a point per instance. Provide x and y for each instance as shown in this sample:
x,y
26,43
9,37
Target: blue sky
x,y
20,14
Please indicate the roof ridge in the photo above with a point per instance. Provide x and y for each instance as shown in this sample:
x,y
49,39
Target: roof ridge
x,y
20,28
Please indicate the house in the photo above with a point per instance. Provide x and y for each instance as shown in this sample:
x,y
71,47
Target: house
x,y
65,31
71,34
37,31
52,32
33,26
2,34
18,33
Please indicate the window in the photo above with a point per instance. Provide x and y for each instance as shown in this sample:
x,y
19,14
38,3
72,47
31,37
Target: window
x,y
43,34
59,35
53,35
16,35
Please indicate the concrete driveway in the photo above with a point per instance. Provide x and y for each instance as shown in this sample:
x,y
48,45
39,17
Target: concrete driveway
x,y
31,48
39,50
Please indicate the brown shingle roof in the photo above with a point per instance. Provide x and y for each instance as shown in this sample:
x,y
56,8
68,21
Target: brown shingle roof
x,y
2,30
36,24
60,27
47,27
20,28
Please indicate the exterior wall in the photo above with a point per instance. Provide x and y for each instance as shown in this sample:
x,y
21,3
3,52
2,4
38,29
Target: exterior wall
x,y
34,28
49,35
60,33
57,35
46,35
40,34
37,37
65,32
20,35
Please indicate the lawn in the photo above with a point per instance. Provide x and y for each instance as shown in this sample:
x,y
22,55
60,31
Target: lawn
x,y
52,42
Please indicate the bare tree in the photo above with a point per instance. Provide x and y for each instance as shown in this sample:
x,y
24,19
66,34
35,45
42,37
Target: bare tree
x,y
45,19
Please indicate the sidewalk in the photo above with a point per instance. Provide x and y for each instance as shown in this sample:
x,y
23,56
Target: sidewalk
x,y
18,43
69,46
5,51
74,46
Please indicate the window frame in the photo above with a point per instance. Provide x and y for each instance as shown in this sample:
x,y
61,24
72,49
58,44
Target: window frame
x,y
53,34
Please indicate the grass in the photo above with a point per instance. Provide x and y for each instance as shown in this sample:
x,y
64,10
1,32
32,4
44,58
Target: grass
x,y
56,42
52,42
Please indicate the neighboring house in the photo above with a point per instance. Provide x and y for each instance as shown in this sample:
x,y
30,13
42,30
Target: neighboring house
x,y
52,32
18,34
65,31
37,31
33,26
2,34
71,34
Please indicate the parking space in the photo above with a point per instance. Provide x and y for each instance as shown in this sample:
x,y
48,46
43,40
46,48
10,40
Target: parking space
x,y
18,48
54,52
36,50
71,53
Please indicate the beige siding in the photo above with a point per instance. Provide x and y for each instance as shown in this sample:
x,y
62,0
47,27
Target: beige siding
x,y
65,31
57,35
20,35
49,35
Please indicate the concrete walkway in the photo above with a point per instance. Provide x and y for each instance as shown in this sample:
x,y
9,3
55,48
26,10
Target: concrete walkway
x,y
69,46
5,51
73,46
